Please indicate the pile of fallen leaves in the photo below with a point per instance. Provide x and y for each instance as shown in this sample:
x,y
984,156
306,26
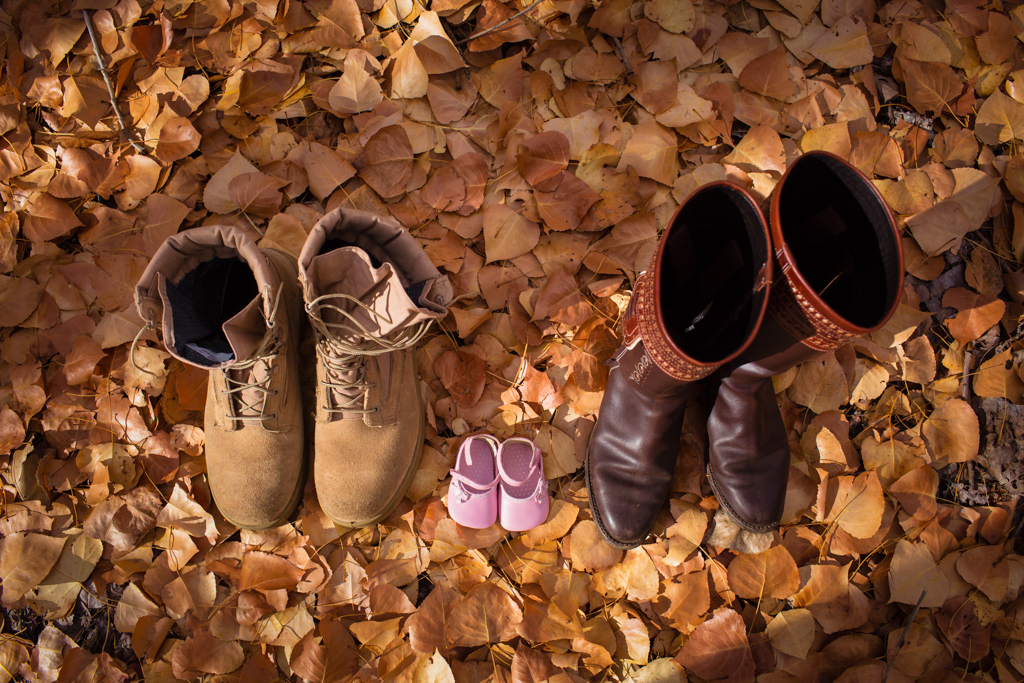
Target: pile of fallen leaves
x,y
536,150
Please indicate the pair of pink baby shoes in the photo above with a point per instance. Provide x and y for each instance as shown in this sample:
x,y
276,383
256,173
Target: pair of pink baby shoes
x,y
491,477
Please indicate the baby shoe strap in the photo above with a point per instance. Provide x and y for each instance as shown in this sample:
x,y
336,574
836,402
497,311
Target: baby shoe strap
x,y
535,462
466,481
466,450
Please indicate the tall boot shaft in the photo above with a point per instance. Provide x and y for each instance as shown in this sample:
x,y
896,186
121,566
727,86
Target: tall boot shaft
x,y
840,275
696,307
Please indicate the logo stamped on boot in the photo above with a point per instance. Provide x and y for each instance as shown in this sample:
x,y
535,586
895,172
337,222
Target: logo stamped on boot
x,y
642,367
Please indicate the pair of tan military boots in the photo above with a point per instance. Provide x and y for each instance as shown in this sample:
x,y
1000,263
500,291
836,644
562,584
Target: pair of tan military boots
x,y
226,305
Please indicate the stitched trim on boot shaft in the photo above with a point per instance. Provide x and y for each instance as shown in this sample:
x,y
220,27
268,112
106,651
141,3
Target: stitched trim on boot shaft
x,y
799,317
661,350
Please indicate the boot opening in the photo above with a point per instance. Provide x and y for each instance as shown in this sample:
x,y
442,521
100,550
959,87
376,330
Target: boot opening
x,y
841,238
202,301
711,260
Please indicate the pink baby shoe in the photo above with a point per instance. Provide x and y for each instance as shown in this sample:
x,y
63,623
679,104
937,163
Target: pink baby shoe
x,y
473,494
523,492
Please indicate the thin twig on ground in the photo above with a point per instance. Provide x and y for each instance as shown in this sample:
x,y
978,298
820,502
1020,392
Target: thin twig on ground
x,y
126,134
903,636
965,379
622,55
499,24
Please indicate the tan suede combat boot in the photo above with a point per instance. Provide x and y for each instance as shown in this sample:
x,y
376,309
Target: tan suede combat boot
x,y
230,307
371,294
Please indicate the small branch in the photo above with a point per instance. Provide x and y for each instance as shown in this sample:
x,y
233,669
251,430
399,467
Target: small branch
x,y
622,55
499,24
110,85
903,637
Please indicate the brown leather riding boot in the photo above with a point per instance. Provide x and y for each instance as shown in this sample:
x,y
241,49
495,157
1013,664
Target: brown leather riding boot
x,y
839,254
696,307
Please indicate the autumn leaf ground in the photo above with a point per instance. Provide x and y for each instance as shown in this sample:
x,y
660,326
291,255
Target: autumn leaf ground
x,y
536,150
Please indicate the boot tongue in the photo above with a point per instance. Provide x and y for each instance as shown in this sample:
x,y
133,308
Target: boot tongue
x,y
244,333
387,307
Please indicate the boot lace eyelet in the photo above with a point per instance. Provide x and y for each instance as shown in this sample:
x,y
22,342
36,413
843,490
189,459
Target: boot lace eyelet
x,y
376,409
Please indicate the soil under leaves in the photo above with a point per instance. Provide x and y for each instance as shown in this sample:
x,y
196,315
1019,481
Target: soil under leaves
x,y
536,150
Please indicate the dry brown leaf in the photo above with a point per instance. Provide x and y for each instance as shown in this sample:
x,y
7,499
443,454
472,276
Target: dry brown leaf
x,y
913,570
588,550
355,91
959,623
486,615
652,153
931,87
564,206
858,505
718,649
771,574
48,218
542,158
845,45
1000,119
768,75
386,161
203,653
977,313
25,559
561,300
792,632
463,375
916,491
178,139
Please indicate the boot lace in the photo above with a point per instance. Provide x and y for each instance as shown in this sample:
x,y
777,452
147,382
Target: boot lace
x,y
255,407
343,348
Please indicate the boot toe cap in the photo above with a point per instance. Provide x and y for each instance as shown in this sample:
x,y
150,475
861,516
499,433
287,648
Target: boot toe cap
x,y
362,472
255,482
623,509
756,508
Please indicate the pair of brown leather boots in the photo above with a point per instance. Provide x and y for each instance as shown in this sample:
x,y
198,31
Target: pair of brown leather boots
x,y
716,307
226,305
